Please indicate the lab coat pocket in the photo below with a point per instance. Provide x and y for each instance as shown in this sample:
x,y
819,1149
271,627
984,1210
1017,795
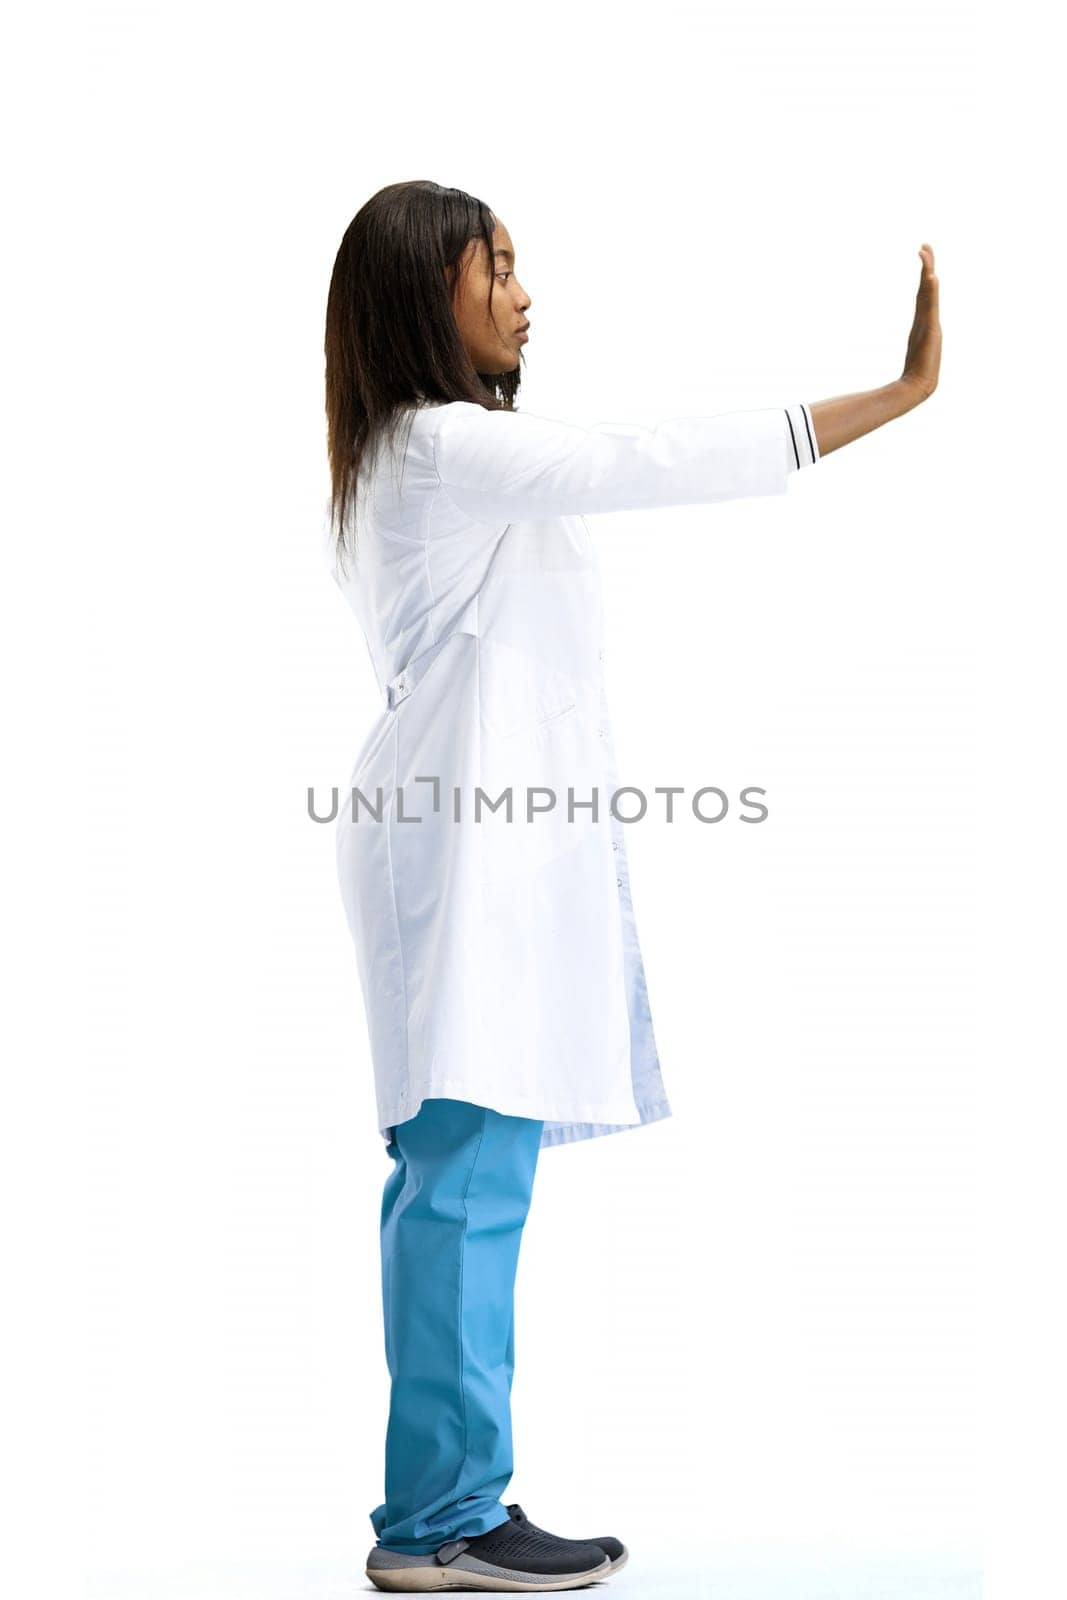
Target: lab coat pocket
x,y
538,766
520,692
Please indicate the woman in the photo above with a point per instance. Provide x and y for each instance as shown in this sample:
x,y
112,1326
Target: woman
x,y
482,866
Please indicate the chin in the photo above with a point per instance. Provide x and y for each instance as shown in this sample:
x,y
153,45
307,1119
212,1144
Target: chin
x,y
497,366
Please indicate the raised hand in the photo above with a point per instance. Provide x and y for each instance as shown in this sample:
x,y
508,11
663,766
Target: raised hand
x,y
922,363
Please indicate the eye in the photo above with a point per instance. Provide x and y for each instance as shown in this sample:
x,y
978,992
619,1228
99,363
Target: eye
x,y
504,274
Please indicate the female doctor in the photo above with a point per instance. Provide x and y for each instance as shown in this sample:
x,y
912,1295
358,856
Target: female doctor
x,y
482,868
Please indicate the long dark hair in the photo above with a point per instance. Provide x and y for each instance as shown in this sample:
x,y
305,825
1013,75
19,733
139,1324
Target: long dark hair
x,y
391,334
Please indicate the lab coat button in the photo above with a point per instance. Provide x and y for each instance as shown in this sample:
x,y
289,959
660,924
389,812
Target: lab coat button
x,y
614,844
619,882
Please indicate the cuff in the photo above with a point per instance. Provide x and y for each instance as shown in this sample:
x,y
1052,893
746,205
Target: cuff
x,y
802,449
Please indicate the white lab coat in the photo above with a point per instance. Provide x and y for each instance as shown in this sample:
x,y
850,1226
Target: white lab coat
x,y
499,960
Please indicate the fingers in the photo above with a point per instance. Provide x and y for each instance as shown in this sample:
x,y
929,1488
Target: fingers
x,y
928,277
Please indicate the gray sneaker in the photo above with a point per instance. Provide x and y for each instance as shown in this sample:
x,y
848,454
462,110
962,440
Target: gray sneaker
x,y
512,1559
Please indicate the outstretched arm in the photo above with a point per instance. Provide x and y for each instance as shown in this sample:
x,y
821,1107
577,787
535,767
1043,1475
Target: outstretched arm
x,y
498,465
849,416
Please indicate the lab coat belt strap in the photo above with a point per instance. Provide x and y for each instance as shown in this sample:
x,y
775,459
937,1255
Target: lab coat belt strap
x,y
400,685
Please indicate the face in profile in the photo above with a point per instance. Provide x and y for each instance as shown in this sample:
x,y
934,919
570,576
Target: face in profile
x,y
491,304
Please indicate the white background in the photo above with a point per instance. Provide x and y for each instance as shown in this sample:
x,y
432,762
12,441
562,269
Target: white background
x,y
768,1378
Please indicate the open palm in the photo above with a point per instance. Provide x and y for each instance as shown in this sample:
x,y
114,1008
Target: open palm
x,y
922,364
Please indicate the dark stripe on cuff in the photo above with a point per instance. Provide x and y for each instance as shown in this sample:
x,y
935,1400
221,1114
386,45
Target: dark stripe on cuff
x,y
807,430
792,434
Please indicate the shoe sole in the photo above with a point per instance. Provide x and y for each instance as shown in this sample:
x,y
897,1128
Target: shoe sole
x,y
424,1575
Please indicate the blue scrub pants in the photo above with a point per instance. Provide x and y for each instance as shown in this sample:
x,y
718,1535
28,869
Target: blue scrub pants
x,y
452,1217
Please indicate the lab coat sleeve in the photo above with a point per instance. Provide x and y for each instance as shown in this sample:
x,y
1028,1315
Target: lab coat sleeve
x,y
505,465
